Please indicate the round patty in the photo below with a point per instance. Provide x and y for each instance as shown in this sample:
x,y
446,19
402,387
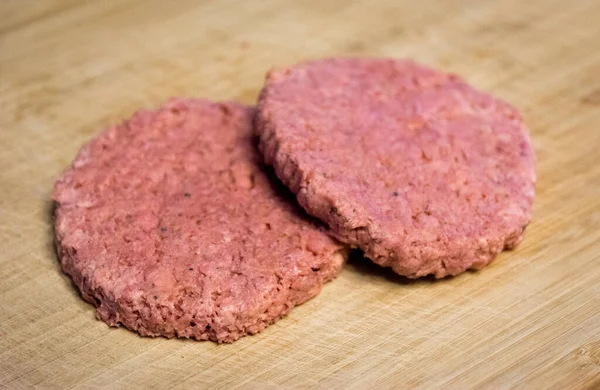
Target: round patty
x,y
169,224
424,173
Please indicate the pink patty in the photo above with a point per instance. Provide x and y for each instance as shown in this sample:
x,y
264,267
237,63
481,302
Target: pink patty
x,y
170,226
424,173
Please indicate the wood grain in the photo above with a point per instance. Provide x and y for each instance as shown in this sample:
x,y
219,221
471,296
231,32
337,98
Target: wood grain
x,y
530,320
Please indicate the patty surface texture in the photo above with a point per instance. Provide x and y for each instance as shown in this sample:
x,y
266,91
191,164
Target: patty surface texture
x,y
171,226
424,173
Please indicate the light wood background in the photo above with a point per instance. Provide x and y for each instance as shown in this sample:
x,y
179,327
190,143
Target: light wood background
x,y
531,320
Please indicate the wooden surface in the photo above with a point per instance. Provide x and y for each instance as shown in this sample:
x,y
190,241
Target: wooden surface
x,y
531,320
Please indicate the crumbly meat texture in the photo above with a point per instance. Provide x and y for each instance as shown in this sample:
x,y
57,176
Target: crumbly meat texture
x,y
169,224
424,173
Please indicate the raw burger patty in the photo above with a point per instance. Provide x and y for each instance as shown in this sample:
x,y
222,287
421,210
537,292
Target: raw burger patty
x,y
170,226
424,173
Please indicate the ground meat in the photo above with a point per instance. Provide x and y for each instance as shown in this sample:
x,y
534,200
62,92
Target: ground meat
x,y
424,173
170,225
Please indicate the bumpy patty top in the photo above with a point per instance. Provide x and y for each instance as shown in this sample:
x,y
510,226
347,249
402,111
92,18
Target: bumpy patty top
x,y
423,172
170,225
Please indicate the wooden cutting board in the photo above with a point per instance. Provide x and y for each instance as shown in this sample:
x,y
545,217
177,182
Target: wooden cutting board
x,y
531,320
